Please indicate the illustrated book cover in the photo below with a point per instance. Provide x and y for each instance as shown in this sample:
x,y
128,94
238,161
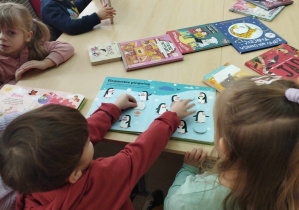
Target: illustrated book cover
x,y
270,4
282,60
248,34
149,52
245,8
223,76
14,98
104,53
198,38
153,99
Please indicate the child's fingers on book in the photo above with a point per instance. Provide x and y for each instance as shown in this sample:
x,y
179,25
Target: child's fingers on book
x,y
190,106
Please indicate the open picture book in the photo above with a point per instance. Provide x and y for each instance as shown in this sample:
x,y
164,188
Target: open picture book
x,y
153,99
14,98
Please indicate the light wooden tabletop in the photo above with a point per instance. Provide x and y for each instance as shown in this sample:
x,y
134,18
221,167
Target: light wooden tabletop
x,y
137,19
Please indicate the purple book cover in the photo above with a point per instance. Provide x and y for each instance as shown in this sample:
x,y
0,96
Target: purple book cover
x,y
270,4
149,52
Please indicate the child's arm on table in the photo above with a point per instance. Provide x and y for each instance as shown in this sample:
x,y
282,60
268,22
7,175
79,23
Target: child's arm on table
x,y
103,118
59,52
136,158
192,161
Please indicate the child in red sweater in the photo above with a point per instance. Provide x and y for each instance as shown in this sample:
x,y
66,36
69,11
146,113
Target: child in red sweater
x,y
46,155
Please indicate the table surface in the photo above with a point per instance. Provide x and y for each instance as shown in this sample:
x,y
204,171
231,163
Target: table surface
x,y
137,19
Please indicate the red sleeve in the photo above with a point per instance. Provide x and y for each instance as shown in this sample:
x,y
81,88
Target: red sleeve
x,y
120,173
141,154
101,121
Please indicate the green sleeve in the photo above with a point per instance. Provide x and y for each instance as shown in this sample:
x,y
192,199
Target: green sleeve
x,y
180,178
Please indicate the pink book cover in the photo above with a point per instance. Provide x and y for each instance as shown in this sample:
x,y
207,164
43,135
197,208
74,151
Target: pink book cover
x,y
282,60
14,98
152,51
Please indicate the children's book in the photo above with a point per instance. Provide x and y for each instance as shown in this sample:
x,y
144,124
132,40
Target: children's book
x,y
245,8
282,60
153,99
149,52
15,98
223,76
270,4
197,38
249,34
104,53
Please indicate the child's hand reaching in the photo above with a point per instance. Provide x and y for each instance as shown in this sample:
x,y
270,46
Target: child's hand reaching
x,y
195,157
106,12
181,108
125,101
33,64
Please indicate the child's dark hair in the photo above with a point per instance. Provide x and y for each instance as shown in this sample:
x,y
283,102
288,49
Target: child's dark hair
x,y
261,129
18,16
40,149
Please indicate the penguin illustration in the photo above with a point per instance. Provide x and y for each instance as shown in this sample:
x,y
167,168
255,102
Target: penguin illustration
x,y
109,92
175,98
125,122
182,127
144,96
161,108
202,98
200,117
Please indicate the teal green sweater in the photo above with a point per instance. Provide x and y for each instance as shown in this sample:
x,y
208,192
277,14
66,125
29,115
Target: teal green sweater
x,y
195,191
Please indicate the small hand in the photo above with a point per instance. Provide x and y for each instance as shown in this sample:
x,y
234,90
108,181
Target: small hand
x,y
181,108
106,12
125,101
33,64
195,157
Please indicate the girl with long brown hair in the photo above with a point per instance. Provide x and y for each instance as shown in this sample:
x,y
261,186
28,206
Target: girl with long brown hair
x,y
257,141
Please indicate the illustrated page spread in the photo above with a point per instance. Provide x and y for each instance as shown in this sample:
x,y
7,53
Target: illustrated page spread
x,y
153,99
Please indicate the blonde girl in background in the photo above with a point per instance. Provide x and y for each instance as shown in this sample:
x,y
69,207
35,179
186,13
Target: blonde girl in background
x,y
24,44
257,141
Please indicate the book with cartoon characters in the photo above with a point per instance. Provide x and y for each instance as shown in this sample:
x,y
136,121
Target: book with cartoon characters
x,y
147,52
198,38
282,60
153,99
223,76
248,34
104,53
270,4
14,98
245,8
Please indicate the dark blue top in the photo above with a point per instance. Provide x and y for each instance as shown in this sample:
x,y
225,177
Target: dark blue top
x,y
61,16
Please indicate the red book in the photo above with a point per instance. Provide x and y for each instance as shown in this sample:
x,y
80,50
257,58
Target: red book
x,y
282,60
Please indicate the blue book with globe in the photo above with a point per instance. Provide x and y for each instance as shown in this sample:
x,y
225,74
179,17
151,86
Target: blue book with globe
x,y
153,99
248,34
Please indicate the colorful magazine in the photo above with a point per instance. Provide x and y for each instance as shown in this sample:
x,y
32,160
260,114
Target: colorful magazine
x,y
246,8
197,38
149,52
15,98
282,60
270,4
224,76
153,99
104,53
249,34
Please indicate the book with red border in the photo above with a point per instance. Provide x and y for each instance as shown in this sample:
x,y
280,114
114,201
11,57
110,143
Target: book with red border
x,y
282,60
